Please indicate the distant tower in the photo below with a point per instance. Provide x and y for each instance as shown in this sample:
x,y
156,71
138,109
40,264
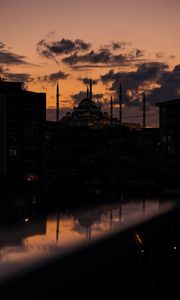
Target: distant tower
x,y
120,103
57,102
90,93
87,92
144,110
111,111
111,216
88,233
57,225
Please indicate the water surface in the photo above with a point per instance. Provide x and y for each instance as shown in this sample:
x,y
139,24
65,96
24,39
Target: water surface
x,y
34,237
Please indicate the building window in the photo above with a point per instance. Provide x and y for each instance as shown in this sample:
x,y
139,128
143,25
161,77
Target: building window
x,y
171,149
31,166
31,154
12,140
12,152
169,138
163,139
31,129
163,109
31,178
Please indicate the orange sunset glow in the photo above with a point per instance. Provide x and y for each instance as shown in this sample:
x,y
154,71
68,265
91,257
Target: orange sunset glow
x,y
135,42
89,148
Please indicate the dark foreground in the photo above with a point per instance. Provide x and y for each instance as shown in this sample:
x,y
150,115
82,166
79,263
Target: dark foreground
x,y
138,259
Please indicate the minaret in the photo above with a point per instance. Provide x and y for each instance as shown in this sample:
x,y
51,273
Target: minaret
x,y
111,216
57,225
87,92
111,111
57,102
120,103
144,110
90,85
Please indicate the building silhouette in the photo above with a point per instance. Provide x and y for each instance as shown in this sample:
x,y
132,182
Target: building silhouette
x,y
22,120
169,112
87,113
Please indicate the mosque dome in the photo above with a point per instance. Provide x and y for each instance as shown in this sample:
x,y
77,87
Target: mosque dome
x,y
87,103
87,113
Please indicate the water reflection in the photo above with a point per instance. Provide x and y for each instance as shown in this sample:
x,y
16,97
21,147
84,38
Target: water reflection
x,y
35,236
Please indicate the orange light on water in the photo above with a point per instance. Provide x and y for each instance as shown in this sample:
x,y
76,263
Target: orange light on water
x,y
139,239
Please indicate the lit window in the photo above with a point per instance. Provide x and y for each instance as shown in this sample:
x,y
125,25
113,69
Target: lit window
x,y
13,152
171,148
32,178
163,139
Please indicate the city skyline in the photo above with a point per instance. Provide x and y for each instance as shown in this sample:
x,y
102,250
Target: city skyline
x,y
136,42
89,147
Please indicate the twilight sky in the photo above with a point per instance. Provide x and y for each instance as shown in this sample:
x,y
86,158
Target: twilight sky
x,y
135,41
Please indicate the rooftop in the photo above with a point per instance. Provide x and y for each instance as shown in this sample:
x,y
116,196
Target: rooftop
x,y
10,86
175,101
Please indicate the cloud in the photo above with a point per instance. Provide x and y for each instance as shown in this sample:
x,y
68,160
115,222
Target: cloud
x,y
139,53
160,54
109,76
78,54
86,80
172,56
61,47
169,86
103,56
2,45
98,96
53,77
9,58
135,82
82,95
163,55
88,67
167,83
2,70
78,97
116,45
119,45
145,71
18,77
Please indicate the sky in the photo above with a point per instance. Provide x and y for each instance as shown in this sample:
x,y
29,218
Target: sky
x,y
134,41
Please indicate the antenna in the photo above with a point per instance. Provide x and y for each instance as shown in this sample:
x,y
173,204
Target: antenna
x,y
111,111
57,102
90,85
87,94
144,110
120,103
